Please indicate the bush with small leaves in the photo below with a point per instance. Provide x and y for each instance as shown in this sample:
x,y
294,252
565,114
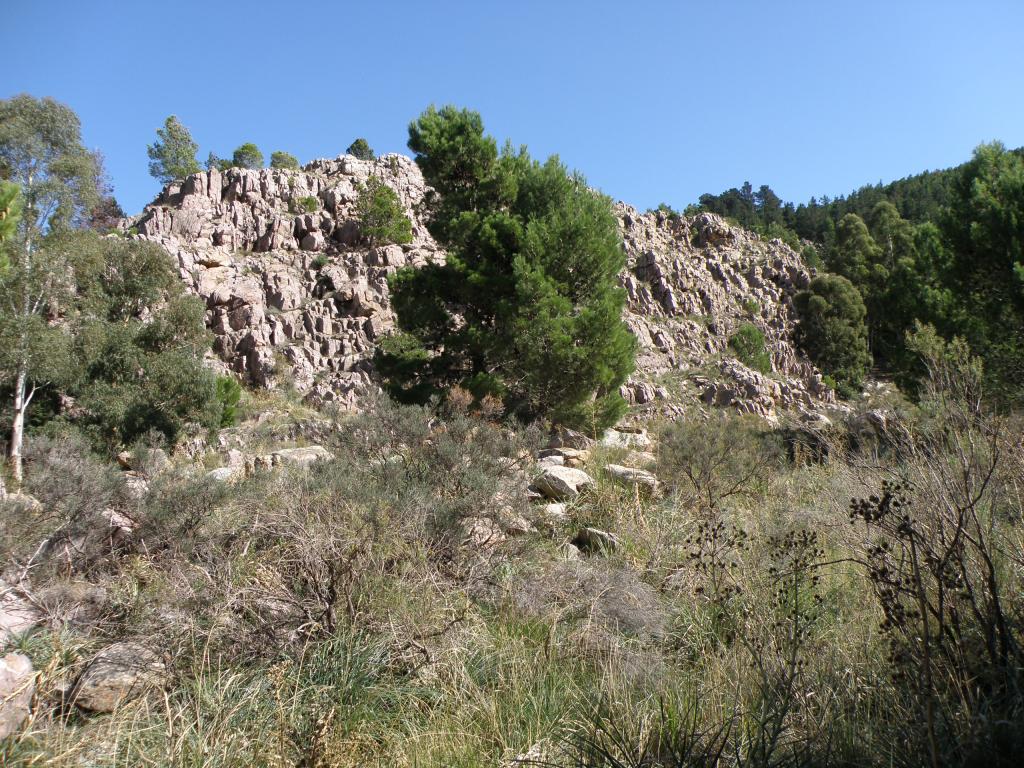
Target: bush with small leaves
x,y
308,204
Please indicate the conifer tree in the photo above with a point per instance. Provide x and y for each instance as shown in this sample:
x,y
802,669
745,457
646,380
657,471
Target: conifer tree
x,y
284,160
360,148
173,155
527,307
248,155
832,330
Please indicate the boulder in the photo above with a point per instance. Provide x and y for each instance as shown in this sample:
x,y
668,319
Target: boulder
x,y
592,541
117,674
226,474
17,686
302,457
638,478
626,438
560,483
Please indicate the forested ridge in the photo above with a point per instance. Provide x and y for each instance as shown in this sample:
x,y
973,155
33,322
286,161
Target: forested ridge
x,y
940,248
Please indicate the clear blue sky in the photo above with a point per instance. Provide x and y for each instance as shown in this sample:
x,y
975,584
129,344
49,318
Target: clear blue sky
x,y
653,101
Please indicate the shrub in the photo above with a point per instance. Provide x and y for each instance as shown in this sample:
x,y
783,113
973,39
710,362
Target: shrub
x,y
709,463
360,149
309,204
748,345
284,160
229,392
381,217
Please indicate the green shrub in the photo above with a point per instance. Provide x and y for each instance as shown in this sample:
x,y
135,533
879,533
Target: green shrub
x,y
747,343
229,392
381,217
308,204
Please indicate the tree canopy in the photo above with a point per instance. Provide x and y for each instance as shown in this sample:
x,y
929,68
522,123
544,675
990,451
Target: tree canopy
x,y
527,307
247,155
284,160
173,155
361,149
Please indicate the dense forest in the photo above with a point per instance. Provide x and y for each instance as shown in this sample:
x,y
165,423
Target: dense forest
x,y
942,248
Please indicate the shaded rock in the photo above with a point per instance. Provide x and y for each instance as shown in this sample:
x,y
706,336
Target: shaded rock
x,y
595,541
630,476
571,457
117,674
17,686
559,483
563,437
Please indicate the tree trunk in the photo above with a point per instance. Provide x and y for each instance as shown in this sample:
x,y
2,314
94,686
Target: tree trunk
x,y
18,426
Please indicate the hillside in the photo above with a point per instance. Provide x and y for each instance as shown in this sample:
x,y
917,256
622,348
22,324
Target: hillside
x,y
294,295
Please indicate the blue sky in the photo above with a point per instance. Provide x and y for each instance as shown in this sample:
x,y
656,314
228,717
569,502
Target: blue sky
x,y
653,101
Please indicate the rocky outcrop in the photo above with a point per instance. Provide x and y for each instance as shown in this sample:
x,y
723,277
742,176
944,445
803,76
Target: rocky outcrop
x,y
690,283
293,294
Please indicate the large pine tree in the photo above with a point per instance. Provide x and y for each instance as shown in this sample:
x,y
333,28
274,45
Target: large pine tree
x,y
527,307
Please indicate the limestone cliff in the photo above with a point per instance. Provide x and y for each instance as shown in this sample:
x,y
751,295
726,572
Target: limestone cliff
x,y
292,293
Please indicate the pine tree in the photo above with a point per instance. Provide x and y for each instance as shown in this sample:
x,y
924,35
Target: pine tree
x,y
284,160
173,156
361,149
832,331
248,155
527,307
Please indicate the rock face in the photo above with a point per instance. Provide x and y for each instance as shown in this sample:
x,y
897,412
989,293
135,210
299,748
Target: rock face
x,y
292,293
17,686
275,254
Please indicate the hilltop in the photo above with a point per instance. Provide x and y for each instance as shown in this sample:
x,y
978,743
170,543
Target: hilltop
x,y
294,294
